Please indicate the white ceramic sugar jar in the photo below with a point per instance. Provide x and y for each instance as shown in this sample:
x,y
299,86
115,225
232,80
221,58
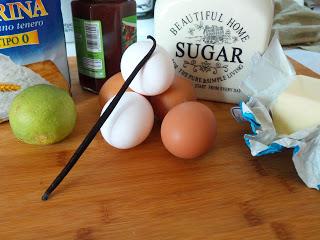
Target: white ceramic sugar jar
x,y
212,41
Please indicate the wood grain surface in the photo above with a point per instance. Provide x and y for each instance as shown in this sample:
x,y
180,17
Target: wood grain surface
x,y
49,71
146,193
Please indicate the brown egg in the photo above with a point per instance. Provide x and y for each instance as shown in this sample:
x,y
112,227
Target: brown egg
x,y
180,91
111,88
189,130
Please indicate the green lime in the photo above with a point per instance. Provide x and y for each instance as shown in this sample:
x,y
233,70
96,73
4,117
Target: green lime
x,y
42,115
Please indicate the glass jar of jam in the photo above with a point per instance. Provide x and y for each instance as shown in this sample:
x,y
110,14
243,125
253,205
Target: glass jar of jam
x,y
103,30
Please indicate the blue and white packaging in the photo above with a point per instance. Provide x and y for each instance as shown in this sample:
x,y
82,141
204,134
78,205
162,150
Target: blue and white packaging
x,y
32,32
271,75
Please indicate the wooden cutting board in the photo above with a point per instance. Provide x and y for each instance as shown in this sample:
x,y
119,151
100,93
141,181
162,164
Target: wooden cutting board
x,y
49,71
146,193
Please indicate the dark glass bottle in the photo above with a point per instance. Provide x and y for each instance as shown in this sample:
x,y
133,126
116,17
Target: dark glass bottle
x,y
103,30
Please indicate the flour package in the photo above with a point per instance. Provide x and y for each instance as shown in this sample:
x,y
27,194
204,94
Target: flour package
x,y
31,32
32,48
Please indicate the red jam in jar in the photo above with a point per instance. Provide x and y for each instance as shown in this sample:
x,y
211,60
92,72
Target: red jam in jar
x,y
103,30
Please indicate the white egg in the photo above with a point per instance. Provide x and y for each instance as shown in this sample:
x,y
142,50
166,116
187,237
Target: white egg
x,y
156,76
130,123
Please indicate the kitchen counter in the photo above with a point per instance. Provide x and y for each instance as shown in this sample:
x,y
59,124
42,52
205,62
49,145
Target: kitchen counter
x,y
146,193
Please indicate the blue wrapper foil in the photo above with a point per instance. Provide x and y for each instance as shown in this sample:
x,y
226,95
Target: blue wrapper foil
x,y
271,75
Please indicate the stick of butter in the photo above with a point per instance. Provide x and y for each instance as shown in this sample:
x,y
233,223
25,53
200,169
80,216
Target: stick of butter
x,y
298,107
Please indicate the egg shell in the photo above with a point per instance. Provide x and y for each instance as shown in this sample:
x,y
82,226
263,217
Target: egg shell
x,y
130,123
111,88
180,91
157,74
189,130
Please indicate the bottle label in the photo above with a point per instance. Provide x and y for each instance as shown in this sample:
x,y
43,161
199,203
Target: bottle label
x,y
89,46
129,31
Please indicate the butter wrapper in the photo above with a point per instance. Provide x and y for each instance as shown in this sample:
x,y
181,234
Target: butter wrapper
x,y
271,75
